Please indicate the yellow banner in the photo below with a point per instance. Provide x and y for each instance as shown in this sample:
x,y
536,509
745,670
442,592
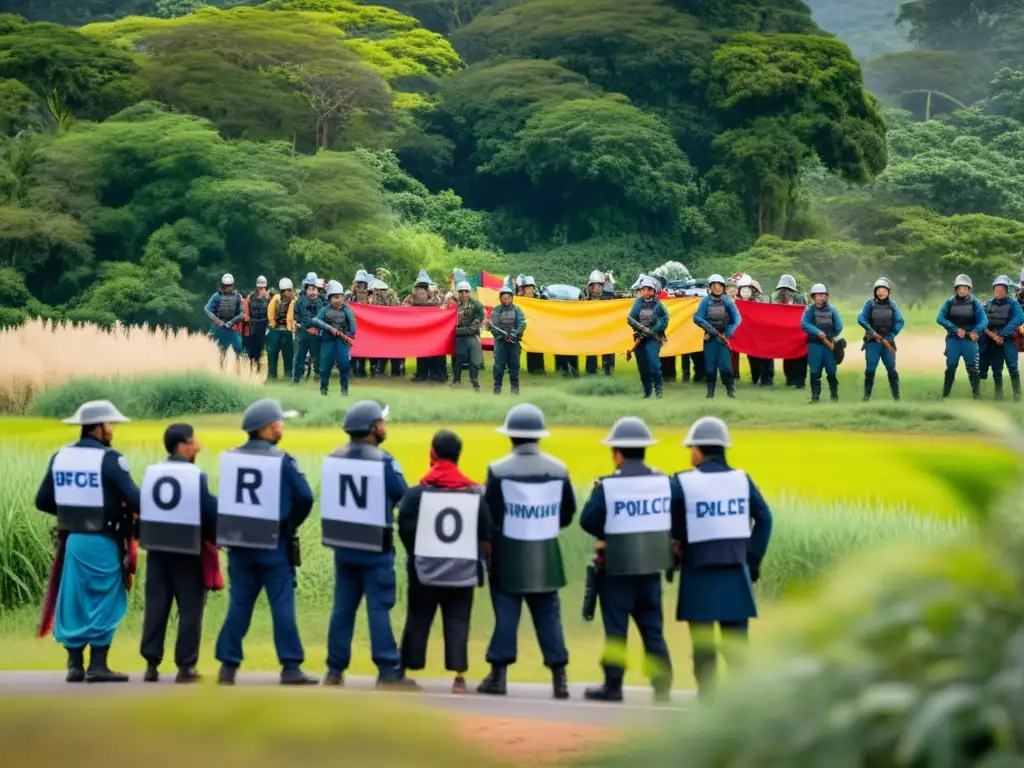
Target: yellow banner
x,y
597,327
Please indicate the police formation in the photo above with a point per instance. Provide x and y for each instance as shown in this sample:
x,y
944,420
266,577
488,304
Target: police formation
x,y
710,523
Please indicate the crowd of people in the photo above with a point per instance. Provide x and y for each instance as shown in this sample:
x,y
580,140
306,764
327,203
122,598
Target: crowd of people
x,y
710,523
315,331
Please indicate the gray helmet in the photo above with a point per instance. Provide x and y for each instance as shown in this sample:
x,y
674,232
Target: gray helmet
x,y
788,282
362,416
362,276
597,276
529,281
716,279
334,288
519,280
423,278
963,280
524,421
97,412
708,431
629,432
1002,280
262,413
507,288
650,282
819,288
464,286
882,282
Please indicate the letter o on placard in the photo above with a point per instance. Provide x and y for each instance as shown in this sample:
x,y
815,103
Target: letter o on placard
x,y
159,493
440,524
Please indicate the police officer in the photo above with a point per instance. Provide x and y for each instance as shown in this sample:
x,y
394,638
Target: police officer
x,y
1005,316
338,323
264,499
630,513
88,488
257,305
596,292
361,294
531,498
178,517
307,335
963,317
467,336
361,486
795,369
649,312
226,311
720,558
822,324
718,317
507,324
882,321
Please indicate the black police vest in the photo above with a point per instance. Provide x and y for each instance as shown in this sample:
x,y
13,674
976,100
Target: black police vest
x,y
258,309
337,319
882,318
227,307
998,315
281,316
961,313
718,315
823,319
506,318
646,317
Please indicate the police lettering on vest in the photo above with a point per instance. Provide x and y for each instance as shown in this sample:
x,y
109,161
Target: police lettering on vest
x,y
249,501
638,524
447,539
78,489
353,503
717,505
170,508
531,522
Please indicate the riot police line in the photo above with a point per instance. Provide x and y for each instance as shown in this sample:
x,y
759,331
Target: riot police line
x,y
710,523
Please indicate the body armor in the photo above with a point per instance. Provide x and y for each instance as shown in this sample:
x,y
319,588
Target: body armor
x,y
718,315
506,318
337,318
258,309
998,315
823,319
646,317
227,307
882,318
961,313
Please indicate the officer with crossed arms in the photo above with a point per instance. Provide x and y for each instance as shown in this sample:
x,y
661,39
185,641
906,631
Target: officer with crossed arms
x,y
632,513
720,556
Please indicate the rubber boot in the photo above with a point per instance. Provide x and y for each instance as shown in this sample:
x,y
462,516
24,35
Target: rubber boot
x,y
496,683
730,384
833,389
1015,383
610,692
76,665
815,390
152,673
559,682
947,384
711,382
296,677
998,386
894,385
227,675
974,378
869,384
98,671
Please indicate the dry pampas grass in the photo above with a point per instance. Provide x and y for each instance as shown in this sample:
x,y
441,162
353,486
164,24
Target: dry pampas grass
x,y
40,354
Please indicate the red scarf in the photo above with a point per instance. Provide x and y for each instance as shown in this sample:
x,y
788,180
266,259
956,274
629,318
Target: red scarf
x,y
445,474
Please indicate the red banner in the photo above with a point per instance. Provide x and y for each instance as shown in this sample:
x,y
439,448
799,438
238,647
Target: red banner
x,y
403,331
770,331
487,280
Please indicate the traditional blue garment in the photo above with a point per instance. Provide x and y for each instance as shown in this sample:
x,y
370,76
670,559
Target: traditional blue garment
x,y
91,600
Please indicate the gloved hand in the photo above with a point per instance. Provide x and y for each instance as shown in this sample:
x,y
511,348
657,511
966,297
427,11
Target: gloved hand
x,y
754,564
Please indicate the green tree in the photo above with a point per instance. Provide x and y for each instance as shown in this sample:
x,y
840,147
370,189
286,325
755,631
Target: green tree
x,y
18,108
441,16
958,25
929,82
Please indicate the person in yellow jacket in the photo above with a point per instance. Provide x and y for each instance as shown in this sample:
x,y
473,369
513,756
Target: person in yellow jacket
x,y
281,318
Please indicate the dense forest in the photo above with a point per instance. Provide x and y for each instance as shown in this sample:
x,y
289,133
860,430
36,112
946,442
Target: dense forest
x,y
148,146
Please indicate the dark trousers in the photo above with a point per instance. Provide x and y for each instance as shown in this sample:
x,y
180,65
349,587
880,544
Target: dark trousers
x,y
431,369
762,371
696,359
796,372
173,579
373,579
359,367
607,364
568,365
649,363
280,344
546,610
535,362
379,366
255,342
456,604
305,342
640,597
705,650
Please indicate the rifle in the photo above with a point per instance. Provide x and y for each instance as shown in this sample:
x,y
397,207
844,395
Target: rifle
x,y
492,328
884,342
640,334
721,337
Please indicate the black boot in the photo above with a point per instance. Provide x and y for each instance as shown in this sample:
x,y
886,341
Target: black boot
x,y
397,680
815,390
227,675
496,683
997,385
514,386
833,388
607,692
559,682
711,383
947,384
973,377
334,679
76,665
869,384
188,675
497,387
152,673
1015,383
730,384
894,385
98,671
296,677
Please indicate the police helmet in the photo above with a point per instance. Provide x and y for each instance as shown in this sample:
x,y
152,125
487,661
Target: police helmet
x,y
524,421
228,279
788,282
519,280
507,288
596,277
464,286
745,282
529,281
261,414
819,288
285,284
261,282
362,276
963,280
709,430
334,288
311,279
649,282
1002,280
629,432
380,285
716,279
423,278
882,282
362,416
97,412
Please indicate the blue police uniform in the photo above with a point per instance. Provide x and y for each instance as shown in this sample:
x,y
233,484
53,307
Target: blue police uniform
x,y
635,589
714,315
652,315
968,315
252,570
816,320
364,572
882,317
717,575
305,312
227,307
1004,317
333,349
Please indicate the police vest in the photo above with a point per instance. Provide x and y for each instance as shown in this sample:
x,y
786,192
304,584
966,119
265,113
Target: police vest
x,y
337,319
506,318
227,307
718,314
717,516
78,489
823,320
882,317
258,308
531,521
170,508
638,524
281,317
961,313
354,504
249,499
646,317
447,538
998,315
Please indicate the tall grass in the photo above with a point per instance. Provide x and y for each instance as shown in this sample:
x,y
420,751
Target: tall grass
x,y
40,354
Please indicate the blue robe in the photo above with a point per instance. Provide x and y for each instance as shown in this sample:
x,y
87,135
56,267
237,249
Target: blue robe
x,y
91,600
